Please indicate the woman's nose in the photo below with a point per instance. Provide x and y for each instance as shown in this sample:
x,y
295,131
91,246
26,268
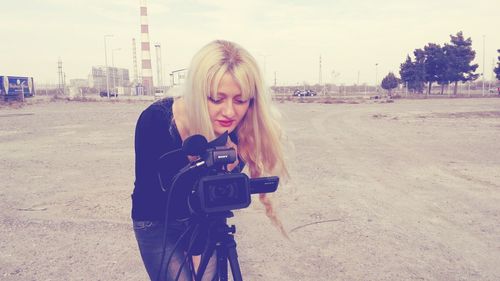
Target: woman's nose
x,y
228,110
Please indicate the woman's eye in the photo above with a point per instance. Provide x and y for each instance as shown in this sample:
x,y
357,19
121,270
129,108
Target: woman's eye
x,y
214,100
241,101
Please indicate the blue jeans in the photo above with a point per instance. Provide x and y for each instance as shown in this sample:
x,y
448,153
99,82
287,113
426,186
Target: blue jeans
x,y
149,236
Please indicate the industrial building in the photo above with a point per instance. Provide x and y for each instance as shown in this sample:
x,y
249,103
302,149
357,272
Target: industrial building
x,y
118,79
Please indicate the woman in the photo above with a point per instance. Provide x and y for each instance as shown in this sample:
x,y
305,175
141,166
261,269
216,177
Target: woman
x,y
224,91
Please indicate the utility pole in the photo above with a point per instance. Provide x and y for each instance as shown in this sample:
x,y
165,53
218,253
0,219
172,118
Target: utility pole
x,y
106,63
159,71
61,84
134,58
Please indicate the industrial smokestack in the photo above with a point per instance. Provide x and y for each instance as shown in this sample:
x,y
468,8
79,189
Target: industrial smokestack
x,y
147,72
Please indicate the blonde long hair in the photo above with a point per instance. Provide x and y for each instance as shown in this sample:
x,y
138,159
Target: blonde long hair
x,y
259,133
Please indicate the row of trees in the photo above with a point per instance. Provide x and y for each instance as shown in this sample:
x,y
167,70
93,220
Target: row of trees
x,y
497,69
450,63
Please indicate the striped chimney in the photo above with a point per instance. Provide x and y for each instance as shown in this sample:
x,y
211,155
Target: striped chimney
x,y
147,72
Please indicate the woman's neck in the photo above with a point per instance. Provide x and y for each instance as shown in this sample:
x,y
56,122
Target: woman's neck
x,y
179,113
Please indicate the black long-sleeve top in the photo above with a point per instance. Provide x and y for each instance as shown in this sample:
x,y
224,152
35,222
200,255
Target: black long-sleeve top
x,y
155,135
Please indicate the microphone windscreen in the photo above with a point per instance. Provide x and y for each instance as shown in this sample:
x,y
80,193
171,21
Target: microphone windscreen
x,y
195,145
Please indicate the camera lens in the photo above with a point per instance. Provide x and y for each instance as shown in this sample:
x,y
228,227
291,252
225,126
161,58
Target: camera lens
x,y
221,192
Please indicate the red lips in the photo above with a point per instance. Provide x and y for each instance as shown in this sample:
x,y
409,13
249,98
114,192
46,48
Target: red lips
x,y
225,123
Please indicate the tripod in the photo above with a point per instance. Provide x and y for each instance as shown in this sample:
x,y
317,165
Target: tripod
x,y
221,239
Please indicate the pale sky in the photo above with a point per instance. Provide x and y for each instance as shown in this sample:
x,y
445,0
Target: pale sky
x,y
286,37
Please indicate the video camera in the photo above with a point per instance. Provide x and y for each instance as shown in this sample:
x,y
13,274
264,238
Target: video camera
x,y
213,187
203,194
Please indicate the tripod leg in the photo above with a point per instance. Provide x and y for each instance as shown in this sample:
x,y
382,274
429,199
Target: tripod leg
x,y
205,258
222,262
232,256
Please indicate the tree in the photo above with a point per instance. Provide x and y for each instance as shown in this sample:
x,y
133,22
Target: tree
x,y
419,67
435,64
390,82
497,69
459,56
413,74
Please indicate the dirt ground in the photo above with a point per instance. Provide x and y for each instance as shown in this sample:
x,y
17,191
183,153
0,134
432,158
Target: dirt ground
x,y
408,190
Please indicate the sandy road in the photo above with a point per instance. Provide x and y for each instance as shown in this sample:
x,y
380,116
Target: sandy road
x,y
400,191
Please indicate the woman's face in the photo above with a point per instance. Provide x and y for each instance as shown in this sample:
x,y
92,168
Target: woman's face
x,y
227,111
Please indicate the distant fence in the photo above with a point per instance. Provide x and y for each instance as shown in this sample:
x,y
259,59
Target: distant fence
x,y
401,93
